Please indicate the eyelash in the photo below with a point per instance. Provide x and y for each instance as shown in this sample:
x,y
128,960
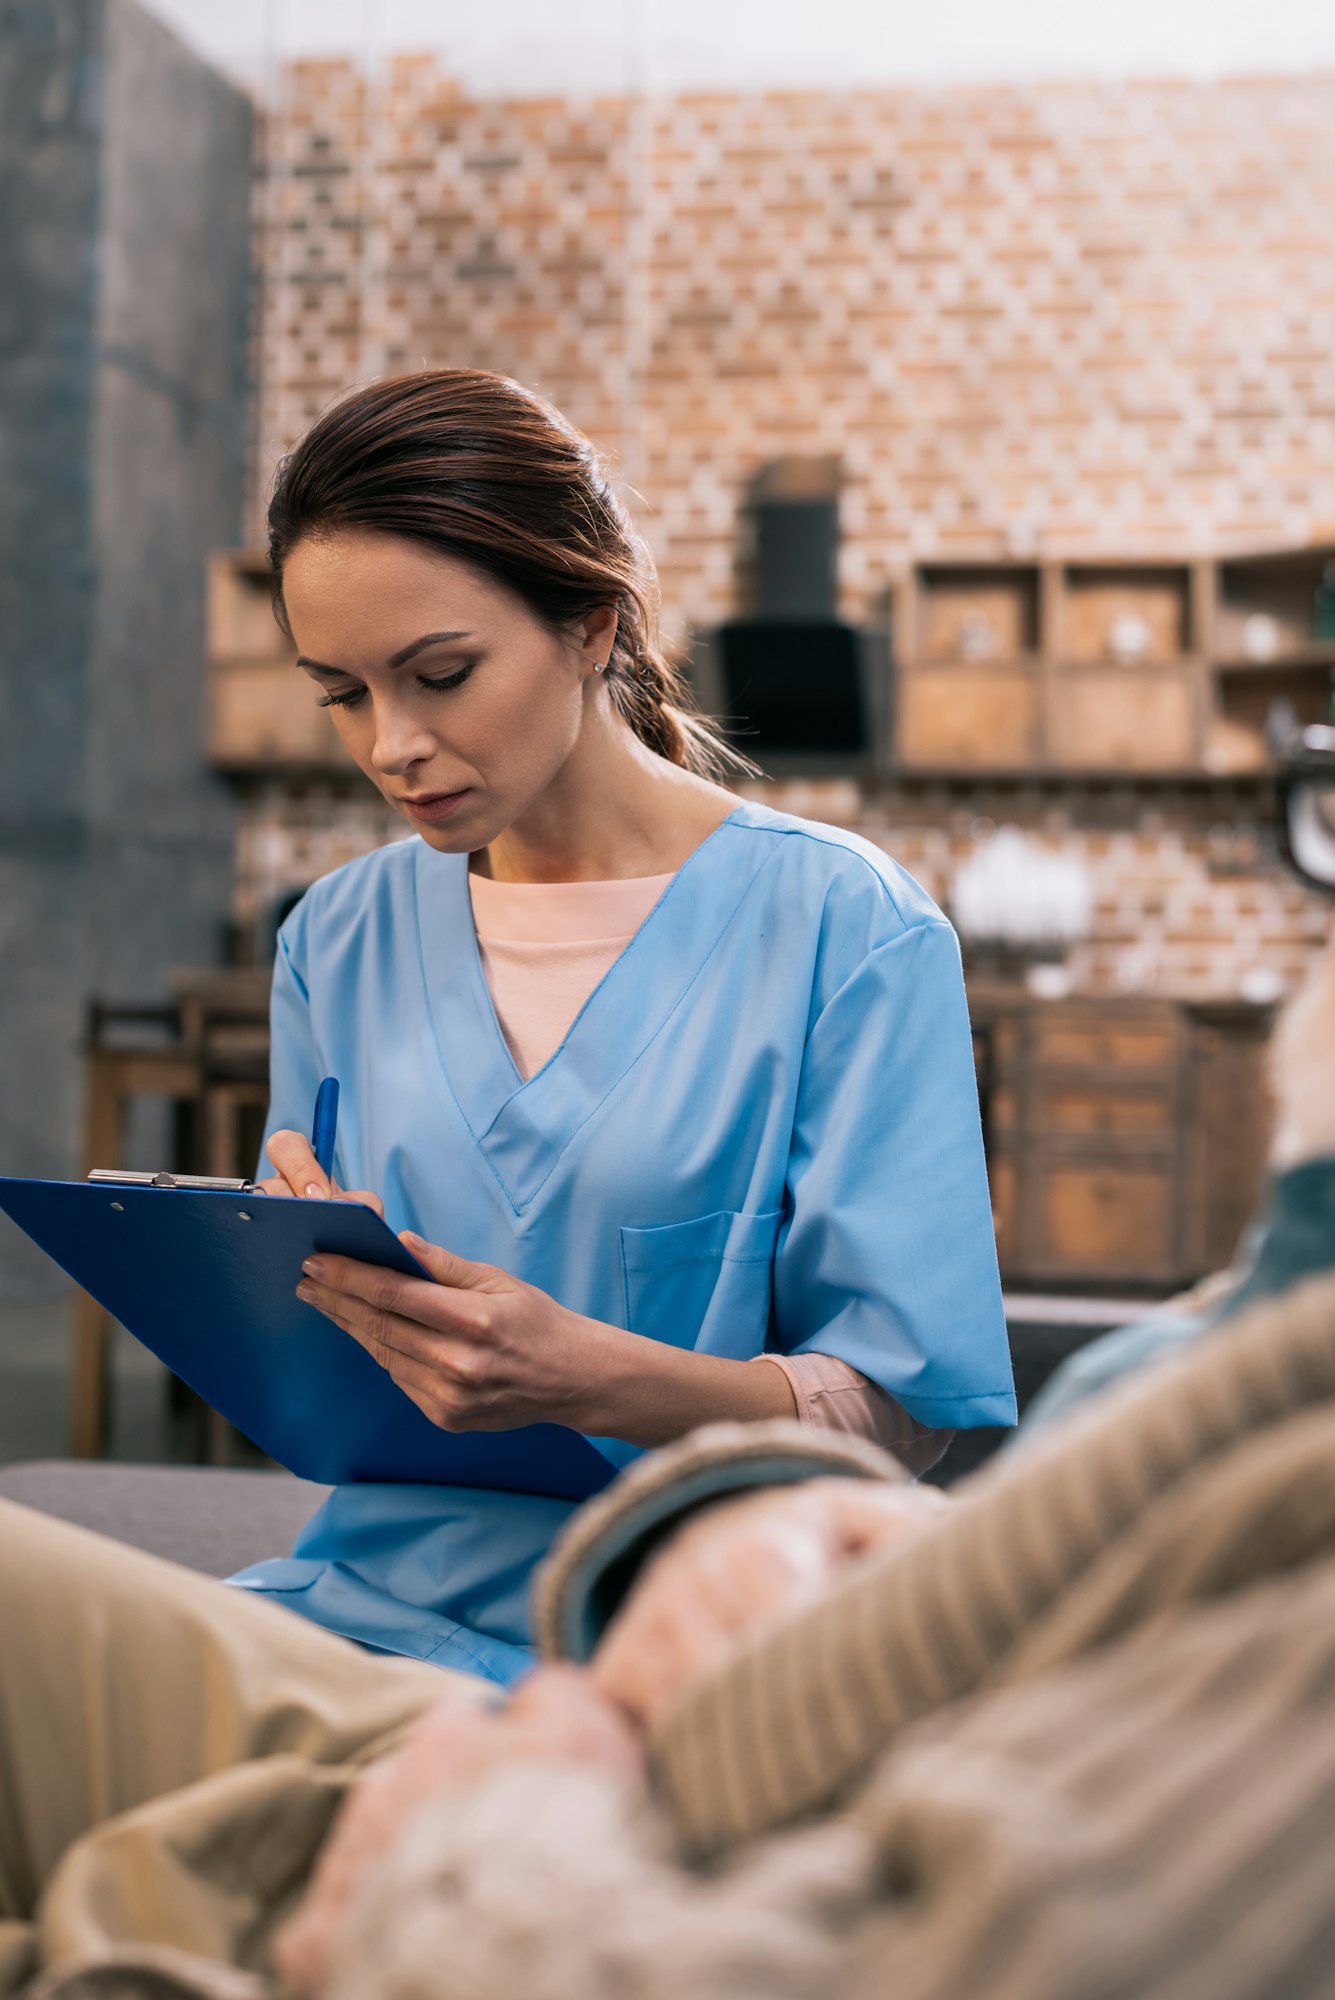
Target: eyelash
x,y
352,699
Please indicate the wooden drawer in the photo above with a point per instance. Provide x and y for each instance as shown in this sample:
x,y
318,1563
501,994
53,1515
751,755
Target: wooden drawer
x,y
1140,1114
968,718
1100,1219
1103,1040
1121,718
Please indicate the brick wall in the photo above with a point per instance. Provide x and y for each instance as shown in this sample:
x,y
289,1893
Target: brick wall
x,y
1064,318
1189,898
1051,320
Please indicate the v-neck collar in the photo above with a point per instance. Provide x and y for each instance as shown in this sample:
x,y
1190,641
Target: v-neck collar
x,y
522,1127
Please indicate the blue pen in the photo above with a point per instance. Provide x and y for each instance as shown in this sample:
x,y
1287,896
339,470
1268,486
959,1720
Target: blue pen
x,y
325,1124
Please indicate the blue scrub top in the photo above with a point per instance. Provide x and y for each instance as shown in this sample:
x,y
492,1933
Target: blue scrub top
x,y
761,1131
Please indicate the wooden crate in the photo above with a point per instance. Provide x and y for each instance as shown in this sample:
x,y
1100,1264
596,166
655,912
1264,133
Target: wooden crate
x,y
975,614
1106,611
1269,599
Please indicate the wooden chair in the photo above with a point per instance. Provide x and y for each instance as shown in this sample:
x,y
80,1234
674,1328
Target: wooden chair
x,y
207,1052
131,1051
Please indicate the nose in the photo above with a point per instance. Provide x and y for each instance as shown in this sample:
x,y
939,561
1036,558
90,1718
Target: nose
x,y
400,739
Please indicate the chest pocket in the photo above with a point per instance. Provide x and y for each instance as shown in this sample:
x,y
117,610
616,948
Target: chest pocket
x,y
712,1276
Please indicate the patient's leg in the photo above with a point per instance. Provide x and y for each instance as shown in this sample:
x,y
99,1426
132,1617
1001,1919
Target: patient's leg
x,y
124,1679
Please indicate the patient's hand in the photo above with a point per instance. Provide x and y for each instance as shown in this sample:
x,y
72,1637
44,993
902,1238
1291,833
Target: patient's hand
x,y
555,1715
741,1563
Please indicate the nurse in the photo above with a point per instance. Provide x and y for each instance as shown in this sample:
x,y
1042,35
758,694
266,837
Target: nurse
x,y
673,1093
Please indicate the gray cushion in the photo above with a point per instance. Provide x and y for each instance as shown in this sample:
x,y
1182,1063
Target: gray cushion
x,y
209,1519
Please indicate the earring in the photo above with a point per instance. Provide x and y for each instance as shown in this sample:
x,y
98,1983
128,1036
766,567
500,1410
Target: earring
x,y
598,666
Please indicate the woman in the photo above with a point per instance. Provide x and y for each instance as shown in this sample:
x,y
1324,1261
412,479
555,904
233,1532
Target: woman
x,y
670,1085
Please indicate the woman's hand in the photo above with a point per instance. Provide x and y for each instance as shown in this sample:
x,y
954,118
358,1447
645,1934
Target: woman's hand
x,y
473,1347
555,1715
738,1565
300,1173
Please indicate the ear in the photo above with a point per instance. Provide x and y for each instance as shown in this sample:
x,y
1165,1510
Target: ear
x,y
596,632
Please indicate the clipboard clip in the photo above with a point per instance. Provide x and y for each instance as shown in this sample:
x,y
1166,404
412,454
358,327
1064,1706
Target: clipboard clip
x,y
219,1183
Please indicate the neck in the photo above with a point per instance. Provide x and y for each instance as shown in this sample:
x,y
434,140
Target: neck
x,y
615,810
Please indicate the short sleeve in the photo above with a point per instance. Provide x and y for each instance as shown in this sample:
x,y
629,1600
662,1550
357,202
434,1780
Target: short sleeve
x,y
887,1259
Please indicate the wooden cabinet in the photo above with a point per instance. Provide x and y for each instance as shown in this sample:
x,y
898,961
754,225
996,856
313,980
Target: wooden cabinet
x,y
1101,1125
1125,1138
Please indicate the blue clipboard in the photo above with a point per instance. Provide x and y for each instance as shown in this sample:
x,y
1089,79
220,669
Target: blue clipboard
x,y
206,1279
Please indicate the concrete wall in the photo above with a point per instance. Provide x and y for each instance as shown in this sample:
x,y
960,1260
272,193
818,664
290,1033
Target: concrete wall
x,y
125,171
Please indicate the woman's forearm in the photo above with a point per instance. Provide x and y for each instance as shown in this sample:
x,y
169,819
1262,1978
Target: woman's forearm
x,y
649,1393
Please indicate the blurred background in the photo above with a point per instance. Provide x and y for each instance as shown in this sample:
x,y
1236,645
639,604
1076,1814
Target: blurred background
x,y
971,371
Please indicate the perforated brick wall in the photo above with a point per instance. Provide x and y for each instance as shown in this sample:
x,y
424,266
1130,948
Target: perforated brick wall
x,y
1089,317
1049,320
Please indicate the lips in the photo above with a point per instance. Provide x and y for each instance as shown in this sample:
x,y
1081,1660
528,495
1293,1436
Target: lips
x,y
435,806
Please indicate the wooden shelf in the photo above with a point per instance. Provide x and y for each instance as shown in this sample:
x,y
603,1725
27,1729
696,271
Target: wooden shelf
x,y
1058,778
1134,668
1312,658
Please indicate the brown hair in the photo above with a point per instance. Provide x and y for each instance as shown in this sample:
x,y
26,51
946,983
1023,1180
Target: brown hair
x,y
473,464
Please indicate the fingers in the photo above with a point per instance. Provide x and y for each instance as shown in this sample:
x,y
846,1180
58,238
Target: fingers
x,y
292,1154
465,1312
300,1173
444,1266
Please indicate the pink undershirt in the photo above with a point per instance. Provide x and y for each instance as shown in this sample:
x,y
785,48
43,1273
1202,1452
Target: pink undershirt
x,y
544,947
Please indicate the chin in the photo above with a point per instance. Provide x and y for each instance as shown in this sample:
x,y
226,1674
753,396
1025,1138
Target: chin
x,y
450,839
1302,1070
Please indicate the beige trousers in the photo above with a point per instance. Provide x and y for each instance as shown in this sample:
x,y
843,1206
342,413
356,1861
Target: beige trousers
x,y
171,1751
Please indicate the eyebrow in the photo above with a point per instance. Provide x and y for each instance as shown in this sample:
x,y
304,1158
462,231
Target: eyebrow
x,y
399,659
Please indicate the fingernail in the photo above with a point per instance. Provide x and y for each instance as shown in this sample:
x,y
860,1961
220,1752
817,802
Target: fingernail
x,y
315,1192
313,1268
412,1239
305,1291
